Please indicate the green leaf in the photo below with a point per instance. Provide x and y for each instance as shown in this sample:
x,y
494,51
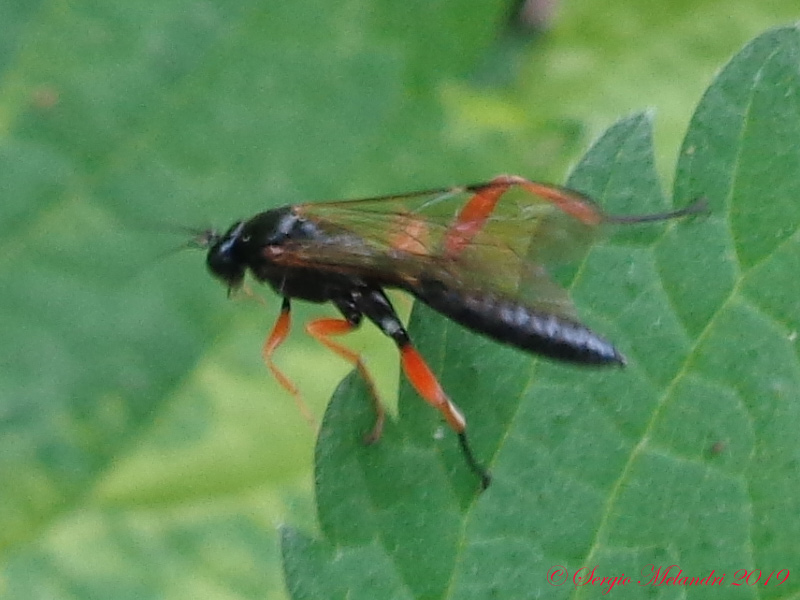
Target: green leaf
x,y
144,450
686,457
137,457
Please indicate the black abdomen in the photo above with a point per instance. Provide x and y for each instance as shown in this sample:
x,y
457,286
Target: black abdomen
x,y
518,325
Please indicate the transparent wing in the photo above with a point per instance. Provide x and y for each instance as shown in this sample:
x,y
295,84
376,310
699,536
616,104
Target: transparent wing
x,y
498,237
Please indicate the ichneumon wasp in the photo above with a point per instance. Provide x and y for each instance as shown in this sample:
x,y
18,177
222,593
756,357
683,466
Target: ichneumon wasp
x,y
478,254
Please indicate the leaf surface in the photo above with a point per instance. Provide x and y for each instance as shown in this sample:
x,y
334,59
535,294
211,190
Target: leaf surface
x,y
687,457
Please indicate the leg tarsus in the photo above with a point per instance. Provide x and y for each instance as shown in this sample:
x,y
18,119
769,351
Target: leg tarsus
x,y
321,330
474,465
428,387
377,308
374,434
276,337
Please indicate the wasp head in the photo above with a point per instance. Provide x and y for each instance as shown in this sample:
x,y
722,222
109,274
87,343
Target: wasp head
x,y
224,258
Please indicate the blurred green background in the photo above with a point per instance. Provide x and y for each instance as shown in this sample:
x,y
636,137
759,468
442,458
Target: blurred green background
x,y
145,452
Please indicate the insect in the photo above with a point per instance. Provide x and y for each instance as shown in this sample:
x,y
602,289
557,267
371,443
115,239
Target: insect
x,y
477,254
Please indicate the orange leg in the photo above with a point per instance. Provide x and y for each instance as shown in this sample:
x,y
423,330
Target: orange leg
x,y
321,330
273,341
376,307
424,381
474,214
478,209
569,201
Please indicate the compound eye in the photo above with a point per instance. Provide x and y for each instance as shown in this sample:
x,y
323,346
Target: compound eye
x,y
224,267
223,259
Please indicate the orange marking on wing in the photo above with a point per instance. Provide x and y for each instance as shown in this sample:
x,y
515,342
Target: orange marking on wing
x,y
413,237
424,381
